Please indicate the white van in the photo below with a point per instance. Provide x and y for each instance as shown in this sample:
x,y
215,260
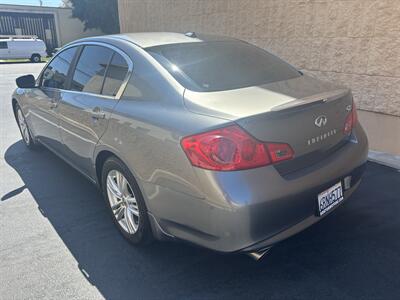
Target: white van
x,y
29,47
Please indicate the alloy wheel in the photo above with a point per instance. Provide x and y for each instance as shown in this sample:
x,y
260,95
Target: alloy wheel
x,y
23,126
122,201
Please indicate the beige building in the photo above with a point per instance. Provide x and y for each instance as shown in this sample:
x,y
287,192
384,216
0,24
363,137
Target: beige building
x,y
54,25
354,42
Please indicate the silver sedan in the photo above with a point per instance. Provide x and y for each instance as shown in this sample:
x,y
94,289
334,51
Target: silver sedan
x,y
199,138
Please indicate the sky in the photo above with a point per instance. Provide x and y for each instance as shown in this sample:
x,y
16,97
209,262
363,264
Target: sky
x,y
32,2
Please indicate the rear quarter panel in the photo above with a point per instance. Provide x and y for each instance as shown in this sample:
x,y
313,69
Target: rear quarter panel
x,y
145,130
146,136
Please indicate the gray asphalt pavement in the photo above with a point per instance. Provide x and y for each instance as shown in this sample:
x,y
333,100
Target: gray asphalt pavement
x,y
57,240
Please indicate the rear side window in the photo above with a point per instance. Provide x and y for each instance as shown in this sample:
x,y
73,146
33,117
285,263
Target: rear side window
x,y
3,45
116,74
90,69
221,65
55,74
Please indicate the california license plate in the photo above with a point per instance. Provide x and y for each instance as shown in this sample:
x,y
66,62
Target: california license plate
x,y
329,198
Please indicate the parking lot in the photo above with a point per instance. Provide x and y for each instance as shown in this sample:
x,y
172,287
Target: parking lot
x,y
58,241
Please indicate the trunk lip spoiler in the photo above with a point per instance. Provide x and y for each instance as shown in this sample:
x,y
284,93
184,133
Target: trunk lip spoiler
x,y
322,97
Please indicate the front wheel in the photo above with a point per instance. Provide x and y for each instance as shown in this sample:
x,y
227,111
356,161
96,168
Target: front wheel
x,y
24,129
125,202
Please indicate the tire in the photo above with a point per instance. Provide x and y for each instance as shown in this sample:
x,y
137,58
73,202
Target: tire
x,y
36,58
27,138
124,214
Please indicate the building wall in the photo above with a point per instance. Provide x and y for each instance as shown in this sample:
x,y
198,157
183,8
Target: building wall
x,y
354,42
71,28
67,28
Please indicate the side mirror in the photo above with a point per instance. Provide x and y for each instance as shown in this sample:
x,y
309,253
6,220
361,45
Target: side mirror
x,y
27,82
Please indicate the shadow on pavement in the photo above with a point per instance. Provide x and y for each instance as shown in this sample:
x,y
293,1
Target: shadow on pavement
x,y
13,193
353,253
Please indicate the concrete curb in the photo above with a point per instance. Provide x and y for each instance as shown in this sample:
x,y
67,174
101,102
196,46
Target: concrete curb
x,y
385,159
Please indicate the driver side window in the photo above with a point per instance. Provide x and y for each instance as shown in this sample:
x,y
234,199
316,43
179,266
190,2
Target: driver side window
x,y
55,75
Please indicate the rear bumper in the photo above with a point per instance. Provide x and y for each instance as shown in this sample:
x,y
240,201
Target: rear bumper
x,y
314,218
253,209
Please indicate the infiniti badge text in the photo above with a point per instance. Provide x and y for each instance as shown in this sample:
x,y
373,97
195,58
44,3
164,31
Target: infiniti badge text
x,y
321,137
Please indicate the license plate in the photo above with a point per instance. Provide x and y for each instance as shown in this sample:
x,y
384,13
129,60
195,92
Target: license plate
x,y
329,198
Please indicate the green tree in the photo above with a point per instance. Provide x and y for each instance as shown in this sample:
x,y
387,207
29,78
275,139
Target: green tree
x,y
100,14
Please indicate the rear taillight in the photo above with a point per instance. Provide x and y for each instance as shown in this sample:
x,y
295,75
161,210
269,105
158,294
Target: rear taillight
x,y
231,148
351,120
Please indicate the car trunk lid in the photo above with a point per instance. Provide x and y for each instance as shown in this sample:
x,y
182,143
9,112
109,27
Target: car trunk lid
x,y
304,112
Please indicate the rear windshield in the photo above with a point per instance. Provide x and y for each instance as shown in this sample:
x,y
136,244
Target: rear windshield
x,y
221,65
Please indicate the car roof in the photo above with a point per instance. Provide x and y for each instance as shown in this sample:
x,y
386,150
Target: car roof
x,y
22,40
151,39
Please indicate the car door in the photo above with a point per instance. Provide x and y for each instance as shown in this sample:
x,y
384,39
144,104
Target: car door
x,y
18,49
87,107
43,100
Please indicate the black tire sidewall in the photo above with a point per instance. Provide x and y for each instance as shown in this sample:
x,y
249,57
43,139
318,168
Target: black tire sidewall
x,y
143,234
34,57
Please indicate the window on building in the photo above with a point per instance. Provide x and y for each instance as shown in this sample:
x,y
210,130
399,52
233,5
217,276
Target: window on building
x,y
3,45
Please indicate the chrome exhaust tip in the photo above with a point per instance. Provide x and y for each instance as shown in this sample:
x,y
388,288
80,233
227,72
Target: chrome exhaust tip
x,y
258,255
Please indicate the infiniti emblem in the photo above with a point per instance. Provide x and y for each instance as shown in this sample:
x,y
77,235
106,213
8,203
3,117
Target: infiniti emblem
x,y
321,121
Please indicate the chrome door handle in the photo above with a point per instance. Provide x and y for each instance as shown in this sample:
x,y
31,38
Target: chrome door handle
x,y
53,104
98,115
